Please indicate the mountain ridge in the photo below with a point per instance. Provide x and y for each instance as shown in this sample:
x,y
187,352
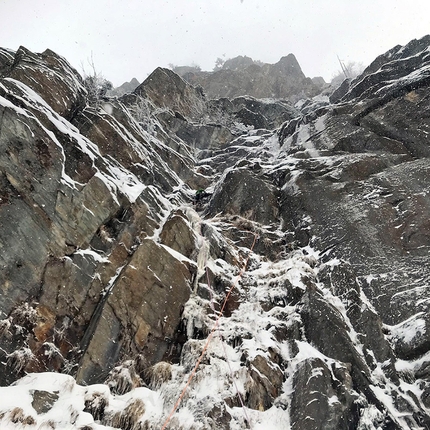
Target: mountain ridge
x,y
242,75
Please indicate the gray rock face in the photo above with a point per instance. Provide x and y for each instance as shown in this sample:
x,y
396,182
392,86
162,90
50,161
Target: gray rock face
x,y
385,225
311,406
245,194
299,284
141,311
399,64
69,203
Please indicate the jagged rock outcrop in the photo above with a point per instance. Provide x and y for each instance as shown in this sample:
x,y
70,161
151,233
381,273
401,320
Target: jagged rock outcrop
x,y
268,114
315,385
140,313
169,91
44,71
242,76
298,283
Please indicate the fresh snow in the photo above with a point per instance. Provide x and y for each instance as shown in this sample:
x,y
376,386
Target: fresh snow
x,y
94,255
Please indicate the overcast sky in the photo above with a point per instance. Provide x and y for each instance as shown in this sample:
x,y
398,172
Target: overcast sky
x,y
131,38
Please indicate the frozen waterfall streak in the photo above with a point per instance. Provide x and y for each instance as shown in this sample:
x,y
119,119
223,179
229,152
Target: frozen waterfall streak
x,y
202,259
225,352
233,285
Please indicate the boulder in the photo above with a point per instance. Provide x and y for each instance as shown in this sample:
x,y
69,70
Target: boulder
x,y
266,383
411,337
178,234
342,280
272,113
316,314
249,118
198,136
43,401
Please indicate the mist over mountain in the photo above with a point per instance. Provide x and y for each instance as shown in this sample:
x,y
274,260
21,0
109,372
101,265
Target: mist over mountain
x,y
217,250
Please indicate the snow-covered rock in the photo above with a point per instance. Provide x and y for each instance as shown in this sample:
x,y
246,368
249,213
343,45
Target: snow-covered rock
x,y
291,293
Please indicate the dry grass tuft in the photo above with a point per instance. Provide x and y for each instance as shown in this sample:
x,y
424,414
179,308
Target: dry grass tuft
x,y
17,416
129,418
158,374
124,378
4,328
96,404
19,359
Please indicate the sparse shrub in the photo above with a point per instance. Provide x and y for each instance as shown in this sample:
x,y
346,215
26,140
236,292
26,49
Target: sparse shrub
x,y
219,62
4,328
243,223
52,352
191,352
267,243
96,85
104,234
144,113
350,71
140,364
181,70
47,425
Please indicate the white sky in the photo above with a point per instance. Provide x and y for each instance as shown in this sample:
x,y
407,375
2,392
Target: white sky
x,y
130,38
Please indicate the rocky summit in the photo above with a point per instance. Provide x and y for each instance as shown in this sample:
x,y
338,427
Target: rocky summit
x,y
176,260
243,76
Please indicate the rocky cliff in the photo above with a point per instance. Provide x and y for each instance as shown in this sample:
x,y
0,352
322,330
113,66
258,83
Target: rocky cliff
x,y
291,293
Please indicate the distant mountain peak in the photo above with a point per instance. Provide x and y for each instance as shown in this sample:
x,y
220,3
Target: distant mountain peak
x,y
126,87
